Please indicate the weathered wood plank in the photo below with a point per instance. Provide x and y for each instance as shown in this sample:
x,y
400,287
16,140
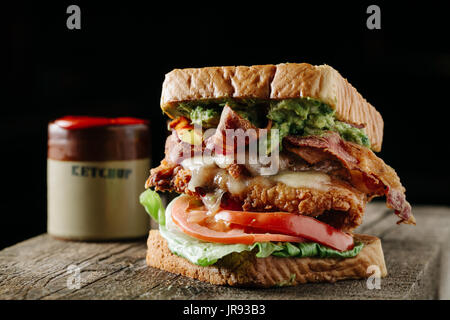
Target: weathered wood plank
x,y
433,227
38,268
444,286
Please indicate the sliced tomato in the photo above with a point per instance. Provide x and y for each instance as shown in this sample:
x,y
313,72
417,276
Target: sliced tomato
x,y
180,215
292,224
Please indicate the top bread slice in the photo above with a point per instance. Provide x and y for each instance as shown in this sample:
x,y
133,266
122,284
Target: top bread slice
x,y
282,81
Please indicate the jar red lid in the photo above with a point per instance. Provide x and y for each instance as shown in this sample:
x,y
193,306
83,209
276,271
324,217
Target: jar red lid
x,y
83,138
82,122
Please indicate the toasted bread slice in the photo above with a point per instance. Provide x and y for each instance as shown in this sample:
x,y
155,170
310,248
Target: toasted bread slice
x,y
282,81
244,269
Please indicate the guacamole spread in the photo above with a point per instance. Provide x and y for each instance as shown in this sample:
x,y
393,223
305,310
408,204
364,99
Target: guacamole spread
x,y
303,116
306,117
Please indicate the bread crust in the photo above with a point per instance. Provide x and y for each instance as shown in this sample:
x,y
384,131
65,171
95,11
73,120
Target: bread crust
x,y
245,270
282,81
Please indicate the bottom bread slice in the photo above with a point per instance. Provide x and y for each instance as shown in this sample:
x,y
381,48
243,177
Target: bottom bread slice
x,y
245,269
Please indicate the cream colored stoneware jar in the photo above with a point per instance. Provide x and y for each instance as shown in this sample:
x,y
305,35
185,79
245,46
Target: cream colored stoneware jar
x,y
95,175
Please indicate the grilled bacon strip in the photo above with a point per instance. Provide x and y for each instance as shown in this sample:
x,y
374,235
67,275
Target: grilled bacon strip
x,y
368,172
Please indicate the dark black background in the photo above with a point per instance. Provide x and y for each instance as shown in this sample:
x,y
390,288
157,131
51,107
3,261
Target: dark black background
x,y
115,65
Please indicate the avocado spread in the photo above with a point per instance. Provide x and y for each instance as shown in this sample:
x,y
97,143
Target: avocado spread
x,y
302,116
207,113
306,117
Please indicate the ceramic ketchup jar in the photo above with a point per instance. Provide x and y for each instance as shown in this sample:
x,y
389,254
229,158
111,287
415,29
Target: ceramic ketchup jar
x,y
96,169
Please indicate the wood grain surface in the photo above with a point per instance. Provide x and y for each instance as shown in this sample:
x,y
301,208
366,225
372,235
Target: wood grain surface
x,y
417,259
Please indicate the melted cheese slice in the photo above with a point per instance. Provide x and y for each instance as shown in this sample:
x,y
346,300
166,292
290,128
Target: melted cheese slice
x,y
202,170
208,170
306,179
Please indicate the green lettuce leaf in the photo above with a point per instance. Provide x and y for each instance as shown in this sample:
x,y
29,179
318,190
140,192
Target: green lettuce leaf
x,y
153,205
313,249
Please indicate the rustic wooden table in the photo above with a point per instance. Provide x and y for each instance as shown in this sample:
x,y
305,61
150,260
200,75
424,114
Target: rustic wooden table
x,y
417,259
